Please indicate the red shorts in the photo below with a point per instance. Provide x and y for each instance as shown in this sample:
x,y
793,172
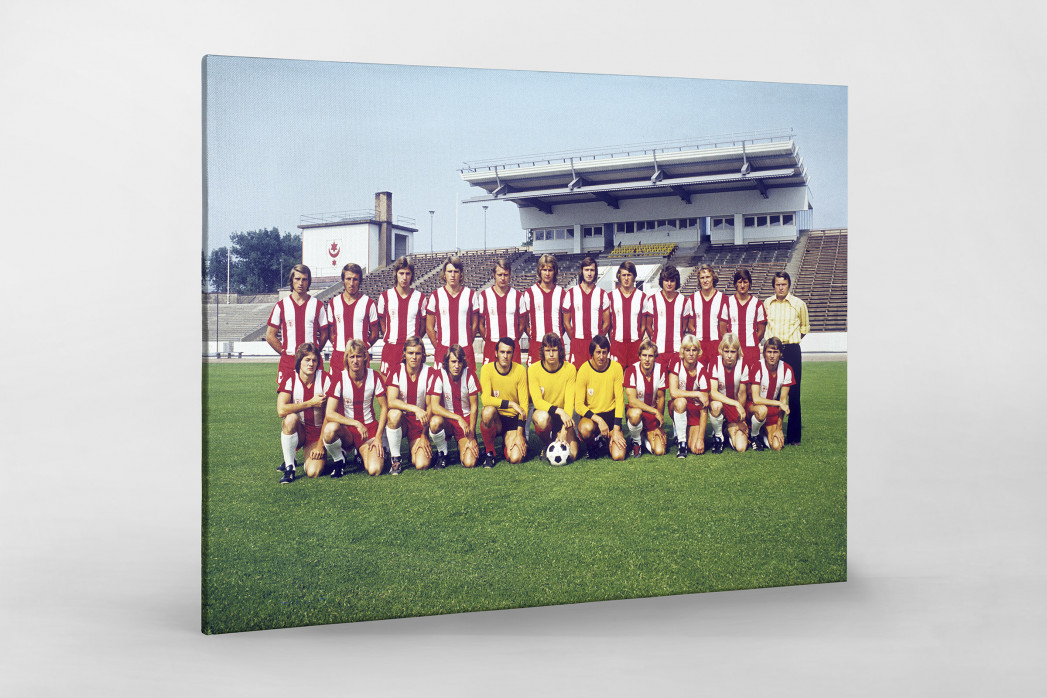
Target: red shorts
x,y
625,353
337,362
455,429
750,355
372,430
665,359
649,421
730,414
694,413
415,428
579,351
491,352
710,350
392,357
312,435
773,413
284,369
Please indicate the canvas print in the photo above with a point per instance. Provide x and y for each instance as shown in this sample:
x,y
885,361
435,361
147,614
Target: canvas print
x,y
486,339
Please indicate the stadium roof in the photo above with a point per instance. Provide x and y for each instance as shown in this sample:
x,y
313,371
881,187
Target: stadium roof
x,y
758,163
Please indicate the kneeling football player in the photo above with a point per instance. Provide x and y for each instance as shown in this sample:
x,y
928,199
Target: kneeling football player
x,y
454,400
645,384
551,385
300,404
727,392
770,379
503,387
409,404
599,397
350,412
689,390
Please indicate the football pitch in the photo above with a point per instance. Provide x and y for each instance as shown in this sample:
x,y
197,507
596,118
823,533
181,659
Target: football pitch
x,y
455,540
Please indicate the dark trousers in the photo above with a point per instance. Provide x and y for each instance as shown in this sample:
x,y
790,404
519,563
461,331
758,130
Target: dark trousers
x,y
792,356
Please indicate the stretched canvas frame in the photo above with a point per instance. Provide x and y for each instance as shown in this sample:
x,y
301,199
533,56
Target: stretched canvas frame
x,y
455,540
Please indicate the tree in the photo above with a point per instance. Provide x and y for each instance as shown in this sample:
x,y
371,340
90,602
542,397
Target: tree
x,y
260,261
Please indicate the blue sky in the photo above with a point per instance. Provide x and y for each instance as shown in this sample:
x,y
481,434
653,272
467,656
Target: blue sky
x,y
286,138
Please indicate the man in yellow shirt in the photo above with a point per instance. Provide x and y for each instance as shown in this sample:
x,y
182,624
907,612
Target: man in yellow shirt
x,y
599,396
503,389
551,384
787,320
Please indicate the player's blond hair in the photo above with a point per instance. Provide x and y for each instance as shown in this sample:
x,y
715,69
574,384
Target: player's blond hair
x,y
646,344
728,341
354,347
548,260
456,262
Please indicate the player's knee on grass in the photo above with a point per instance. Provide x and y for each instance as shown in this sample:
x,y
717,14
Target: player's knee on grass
x,y
515,449
657,440
420,455
775,437
633,415
466,453
696,440
616,451
290,424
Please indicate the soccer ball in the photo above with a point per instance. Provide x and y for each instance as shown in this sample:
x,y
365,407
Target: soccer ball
x,y
558,453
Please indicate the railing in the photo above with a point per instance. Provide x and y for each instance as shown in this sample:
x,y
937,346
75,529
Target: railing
x,y
563,156
357,216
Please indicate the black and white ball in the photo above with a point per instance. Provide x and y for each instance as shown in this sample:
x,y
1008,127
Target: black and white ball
x,y
558,453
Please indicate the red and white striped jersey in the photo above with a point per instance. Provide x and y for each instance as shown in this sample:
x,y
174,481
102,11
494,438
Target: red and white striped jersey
x,y
743,318
585,310
670,317
646,388
350,321
543,311
699,381
626,315
401,315
453,315
770,382
357,401
301,393
456,392
707,315
499,313
413,392
728,382
298,323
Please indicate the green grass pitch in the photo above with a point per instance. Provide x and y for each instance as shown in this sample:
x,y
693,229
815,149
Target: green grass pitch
x,y
455,540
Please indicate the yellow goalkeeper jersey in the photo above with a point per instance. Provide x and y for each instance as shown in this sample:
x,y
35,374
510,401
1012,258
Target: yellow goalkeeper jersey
x,y
496,388
600,391
552,390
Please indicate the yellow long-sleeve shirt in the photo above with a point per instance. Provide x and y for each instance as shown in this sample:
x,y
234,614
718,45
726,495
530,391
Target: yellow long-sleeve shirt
x,y
494,388
600,391
552,390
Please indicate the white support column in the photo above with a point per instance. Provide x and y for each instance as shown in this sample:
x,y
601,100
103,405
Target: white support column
x,y
577,238
739,226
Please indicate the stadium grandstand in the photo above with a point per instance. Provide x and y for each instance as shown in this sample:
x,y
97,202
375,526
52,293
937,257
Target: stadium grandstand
x,y
728,201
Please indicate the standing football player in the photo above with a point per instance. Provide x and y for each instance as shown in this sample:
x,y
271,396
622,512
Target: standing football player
x,y
298,318
600,398
743,314
456,408
541,307
300,404
408,394
689,390
705,319
586,312
627,319
728,394
770,378
667,313
450,312
401,313
551,385
499,309
350,412
645,384
503,388
350,315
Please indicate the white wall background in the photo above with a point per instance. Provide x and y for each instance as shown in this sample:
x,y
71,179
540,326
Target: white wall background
x,y
101,501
